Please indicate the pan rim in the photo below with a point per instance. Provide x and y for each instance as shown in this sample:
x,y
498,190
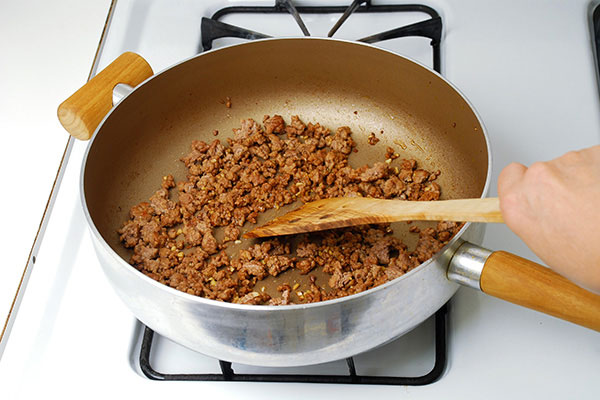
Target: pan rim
x,y
268,308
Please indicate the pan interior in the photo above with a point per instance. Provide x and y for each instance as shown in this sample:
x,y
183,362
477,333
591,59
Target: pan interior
x,y
331,82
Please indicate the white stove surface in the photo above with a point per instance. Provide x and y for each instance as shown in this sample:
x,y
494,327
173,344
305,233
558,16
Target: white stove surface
x,y
528,69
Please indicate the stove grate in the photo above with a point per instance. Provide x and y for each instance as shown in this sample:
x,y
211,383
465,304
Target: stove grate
x,y
228,374
212,28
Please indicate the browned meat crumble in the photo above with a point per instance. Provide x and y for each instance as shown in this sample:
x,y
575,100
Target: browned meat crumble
x,y
372,139
265,167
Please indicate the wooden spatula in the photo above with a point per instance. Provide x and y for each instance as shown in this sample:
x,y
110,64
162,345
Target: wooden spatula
x,y
349,211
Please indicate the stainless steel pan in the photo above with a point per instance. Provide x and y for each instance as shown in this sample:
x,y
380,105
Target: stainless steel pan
x,y
335,83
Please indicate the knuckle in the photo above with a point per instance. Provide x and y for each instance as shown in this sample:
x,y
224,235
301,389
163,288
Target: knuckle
x,y
512,167
572,159
538,171
571,156
510,175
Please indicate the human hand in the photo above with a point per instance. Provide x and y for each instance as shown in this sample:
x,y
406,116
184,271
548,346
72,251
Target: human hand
x,y
554,207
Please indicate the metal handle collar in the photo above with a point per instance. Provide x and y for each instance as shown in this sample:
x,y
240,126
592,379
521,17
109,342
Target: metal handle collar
x,y
467,264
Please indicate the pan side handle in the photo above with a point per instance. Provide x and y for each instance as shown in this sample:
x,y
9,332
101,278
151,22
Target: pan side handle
x,y
526,283
81,113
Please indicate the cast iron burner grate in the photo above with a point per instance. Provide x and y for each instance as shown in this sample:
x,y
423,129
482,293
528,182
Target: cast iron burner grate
x,y
213,29
228,375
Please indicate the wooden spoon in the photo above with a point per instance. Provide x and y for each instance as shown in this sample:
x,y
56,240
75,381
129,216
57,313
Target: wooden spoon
x,y
349,211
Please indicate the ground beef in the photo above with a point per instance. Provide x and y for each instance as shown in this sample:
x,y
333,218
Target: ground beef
x,y
390,154
379,170
372,139
232,232
173,235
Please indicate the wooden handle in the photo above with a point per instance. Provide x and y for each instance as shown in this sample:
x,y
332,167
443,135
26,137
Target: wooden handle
x,y
472,210
81,113
520,281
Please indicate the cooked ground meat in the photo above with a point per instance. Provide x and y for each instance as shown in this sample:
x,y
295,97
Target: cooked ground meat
x,y
390,154
264,167
372,139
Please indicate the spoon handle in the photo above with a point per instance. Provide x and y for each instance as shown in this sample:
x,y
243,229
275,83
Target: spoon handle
x,y
471,210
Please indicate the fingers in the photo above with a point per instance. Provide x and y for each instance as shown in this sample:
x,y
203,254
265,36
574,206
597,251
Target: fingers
x,y
510,176
512,199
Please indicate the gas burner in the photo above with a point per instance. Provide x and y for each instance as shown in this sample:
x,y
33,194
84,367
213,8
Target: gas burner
x,y
212,28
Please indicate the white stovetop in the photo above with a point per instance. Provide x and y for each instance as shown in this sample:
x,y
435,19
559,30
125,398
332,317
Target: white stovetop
x,y
527,67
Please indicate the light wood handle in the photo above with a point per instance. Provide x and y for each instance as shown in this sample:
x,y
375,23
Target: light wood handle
x,y
520,281
472,210
81,113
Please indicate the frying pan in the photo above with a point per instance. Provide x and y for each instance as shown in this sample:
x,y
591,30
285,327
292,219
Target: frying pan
x,y
329,81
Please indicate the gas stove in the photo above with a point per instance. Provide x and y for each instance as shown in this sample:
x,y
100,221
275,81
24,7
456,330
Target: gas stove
x,y
72,335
